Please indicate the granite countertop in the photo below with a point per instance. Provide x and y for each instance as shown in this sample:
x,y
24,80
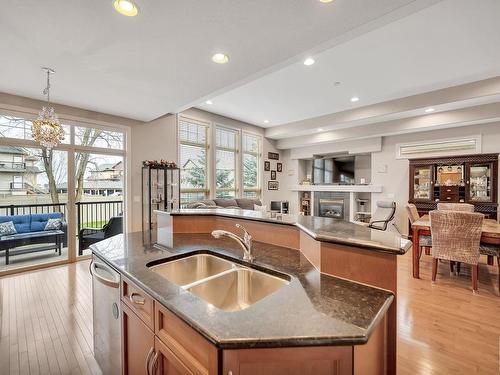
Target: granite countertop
x,y
313,309
322,229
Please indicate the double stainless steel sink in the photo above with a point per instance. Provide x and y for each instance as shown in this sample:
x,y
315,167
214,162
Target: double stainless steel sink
x,y
226,285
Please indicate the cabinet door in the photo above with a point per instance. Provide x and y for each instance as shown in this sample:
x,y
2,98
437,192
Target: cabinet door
x,y
480,182
138,343
166,362
423,182
289,361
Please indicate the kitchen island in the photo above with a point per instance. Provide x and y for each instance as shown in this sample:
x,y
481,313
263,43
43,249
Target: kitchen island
x,y
316,324
334,247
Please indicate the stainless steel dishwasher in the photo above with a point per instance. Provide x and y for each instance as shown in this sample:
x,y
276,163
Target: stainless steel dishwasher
x,y
107,322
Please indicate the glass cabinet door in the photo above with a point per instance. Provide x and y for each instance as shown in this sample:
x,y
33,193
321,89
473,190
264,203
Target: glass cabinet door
x,y
422,182
480,189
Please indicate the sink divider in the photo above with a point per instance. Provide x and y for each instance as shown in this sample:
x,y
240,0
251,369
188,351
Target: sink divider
x,y
234,268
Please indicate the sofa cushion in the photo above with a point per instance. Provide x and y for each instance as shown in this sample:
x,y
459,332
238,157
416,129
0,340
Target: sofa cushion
x,y
247,203
7,228
21,222
225,202
39,221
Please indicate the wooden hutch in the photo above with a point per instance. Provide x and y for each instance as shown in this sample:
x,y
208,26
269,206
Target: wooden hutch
x,y
456,179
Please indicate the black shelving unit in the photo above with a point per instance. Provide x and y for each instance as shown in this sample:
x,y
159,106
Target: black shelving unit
x,y
160,191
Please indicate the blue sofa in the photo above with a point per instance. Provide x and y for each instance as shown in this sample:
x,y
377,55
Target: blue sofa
x,y
31,231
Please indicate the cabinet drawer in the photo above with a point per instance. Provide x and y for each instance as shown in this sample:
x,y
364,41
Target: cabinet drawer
x,y
138,301
192,349
449,189
448,197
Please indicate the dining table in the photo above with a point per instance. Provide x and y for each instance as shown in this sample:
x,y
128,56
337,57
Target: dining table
x,y
422,227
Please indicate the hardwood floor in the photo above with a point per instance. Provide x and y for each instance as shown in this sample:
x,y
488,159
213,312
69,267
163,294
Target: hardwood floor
x,y
444,328
46,321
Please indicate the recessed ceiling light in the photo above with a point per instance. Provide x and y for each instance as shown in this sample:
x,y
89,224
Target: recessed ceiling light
x,y
209,102
266,121
354,99
429,110
320,129
126,7
325,1
220,58
309,61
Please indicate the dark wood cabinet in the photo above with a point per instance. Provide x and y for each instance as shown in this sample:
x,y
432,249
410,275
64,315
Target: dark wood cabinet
x,y
458,179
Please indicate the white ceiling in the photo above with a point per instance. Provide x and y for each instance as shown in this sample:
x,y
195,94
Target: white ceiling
x,y
449,43
159,61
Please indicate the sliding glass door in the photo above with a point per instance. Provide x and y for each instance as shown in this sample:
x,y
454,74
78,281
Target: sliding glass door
x,y
55,203
33,206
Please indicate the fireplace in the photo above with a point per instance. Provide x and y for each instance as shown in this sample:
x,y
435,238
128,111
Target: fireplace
x,y
331,208
332,204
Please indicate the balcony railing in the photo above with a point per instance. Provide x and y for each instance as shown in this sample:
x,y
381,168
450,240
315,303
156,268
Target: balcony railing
x,y
97,214
12,165
89,214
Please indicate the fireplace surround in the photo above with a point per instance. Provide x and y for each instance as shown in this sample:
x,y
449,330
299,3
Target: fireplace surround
x,y
332,204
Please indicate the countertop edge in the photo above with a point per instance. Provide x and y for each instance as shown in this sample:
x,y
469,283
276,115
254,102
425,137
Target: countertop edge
x,y
311,233
261,343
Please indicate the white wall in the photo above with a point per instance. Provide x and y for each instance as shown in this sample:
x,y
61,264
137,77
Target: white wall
x,y
393,174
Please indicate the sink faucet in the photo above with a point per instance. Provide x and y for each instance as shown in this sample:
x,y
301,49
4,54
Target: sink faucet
x,y
245,242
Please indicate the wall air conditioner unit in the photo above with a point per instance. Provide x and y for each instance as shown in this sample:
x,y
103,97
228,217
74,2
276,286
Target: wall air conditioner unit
x,y
440,147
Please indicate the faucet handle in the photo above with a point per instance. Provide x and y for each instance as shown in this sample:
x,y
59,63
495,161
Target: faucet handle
x,y
247,235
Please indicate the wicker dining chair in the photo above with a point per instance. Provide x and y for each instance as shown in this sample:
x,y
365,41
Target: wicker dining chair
x,y
456,237
492,251
464,207
425,242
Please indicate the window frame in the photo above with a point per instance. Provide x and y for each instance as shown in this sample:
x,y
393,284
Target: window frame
x,y
258,154
236,150
207,189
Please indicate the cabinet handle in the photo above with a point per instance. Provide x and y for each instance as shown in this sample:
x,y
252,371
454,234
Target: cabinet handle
x,y
448,198
154,364
148,359
448,190
141,301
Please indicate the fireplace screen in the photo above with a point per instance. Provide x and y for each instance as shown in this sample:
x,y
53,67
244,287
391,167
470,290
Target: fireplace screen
x,y
331,208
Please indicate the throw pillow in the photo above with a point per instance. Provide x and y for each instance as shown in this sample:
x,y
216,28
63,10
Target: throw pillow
x,y
7,228
256,207
53,224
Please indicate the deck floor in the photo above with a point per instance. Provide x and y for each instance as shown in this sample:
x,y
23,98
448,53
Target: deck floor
x,y
46,321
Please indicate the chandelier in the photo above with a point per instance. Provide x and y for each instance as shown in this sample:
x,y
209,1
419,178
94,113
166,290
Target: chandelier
x,y
47,129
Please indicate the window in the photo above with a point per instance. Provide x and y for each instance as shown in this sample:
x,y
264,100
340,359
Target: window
x,y
251,163
226,151
193,159
20,128
93,137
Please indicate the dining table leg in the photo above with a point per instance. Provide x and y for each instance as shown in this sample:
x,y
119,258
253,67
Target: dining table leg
x,y
415,253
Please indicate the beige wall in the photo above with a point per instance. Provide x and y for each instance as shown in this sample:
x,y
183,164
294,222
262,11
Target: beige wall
x,y
395,179
153,140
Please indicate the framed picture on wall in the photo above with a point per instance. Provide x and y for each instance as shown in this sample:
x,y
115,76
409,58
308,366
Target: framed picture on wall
x,y
273,185
273,156
279,167
273,175
267,165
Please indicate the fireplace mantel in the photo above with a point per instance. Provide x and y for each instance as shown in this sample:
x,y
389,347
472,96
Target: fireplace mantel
x,y
340,188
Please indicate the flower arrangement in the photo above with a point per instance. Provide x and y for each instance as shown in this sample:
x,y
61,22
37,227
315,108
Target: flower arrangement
x,y
159,163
